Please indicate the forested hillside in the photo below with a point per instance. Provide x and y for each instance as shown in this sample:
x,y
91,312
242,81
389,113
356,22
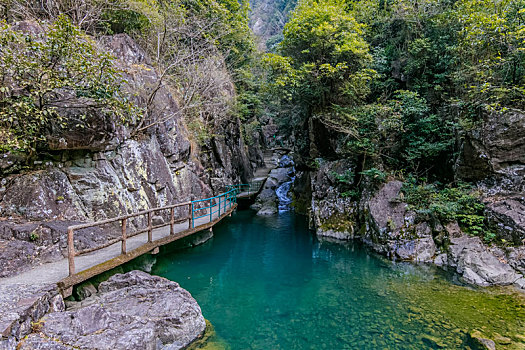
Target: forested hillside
x,y
410,90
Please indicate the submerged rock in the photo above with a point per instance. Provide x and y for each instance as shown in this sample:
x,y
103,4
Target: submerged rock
x,y
479,342
130,311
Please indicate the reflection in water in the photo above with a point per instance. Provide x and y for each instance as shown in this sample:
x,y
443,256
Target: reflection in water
x,y
268,283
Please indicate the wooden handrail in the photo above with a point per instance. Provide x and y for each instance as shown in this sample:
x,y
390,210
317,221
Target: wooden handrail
x,y
118,218
229,196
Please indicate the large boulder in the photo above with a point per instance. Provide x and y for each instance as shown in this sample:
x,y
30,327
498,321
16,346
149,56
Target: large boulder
x,y
130,311
392,229
476,264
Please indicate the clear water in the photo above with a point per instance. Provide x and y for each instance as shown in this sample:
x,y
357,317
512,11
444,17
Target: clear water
x,y
267,283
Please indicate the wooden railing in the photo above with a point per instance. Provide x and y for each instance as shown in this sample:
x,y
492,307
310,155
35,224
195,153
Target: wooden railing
x,y
223,202
124,228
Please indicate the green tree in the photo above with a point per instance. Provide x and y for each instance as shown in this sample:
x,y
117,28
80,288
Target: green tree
x,y
329,56
492,50
44,77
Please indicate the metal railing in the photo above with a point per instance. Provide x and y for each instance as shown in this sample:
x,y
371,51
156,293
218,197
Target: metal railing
x,y
214,205
249,189
223,201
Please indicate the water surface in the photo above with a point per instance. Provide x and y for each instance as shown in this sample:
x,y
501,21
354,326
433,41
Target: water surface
x,y
268,283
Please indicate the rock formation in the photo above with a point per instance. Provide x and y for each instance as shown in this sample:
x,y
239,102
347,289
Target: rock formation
x,y
110,173
129,311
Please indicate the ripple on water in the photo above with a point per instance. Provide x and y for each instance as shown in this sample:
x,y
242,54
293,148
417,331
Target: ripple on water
x,y
267,283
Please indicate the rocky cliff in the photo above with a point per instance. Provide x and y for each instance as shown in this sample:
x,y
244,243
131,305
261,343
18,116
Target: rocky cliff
x,y
106,170
343,205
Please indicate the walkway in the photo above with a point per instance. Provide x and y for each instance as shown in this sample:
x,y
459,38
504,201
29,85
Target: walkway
x,y
58,271
79,266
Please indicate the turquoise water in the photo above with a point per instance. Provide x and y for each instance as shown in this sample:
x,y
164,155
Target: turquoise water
x,y
268,283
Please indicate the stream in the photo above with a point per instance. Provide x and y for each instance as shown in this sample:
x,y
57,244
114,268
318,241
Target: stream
x,y
269,283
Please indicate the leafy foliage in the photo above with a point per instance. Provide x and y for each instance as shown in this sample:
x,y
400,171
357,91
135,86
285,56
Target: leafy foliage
x,y
325,58
44,77
460,203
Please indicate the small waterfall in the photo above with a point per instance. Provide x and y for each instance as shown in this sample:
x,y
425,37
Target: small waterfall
x,y
283,191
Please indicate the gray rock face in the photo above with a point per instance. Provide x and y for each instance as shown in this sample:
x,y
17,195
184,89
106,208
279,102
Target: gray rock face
x,y
23,245
496,147
23,305
332,214
507,217
392,230
130,311
477,265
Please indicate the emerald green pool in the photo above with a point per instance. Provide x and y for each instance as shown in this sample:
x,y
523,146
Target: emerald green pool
x,y
268,283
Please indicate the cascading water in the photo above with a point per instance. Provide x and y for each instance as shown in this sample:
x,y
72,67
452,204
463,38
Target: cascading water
x,y
283,191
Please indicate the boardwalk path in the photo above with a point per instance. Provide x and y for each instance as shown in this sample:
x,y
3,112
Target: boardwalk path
x,y
104,259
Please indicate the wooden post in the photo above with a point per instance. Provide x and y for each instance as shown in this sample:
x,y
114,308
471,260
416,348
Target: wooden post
x,y
124,235
172,220
190,215
71,251
220,205
150,231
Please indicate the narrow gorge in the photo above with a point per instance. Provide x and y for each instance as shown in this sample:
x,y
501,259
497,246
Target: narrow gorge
x,y
358,168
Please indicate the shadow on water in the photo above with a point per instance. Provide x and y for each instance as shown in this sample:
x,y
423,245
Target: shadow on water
x,y
269,283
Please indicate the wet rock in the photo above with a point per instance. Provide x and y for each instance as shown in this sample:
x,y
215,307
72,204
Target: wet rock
x,y
477,265
286,162
432,342
267,201
479,342
268,209
131,311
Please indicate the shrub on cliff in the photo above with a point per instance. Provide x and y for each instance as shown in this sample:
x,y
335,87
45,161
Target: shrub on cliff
x,y
48,72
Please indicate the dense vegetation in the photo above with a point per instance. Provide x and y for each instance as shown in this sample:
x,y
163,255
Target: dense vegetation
x,y
401,78
204,48
396,83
